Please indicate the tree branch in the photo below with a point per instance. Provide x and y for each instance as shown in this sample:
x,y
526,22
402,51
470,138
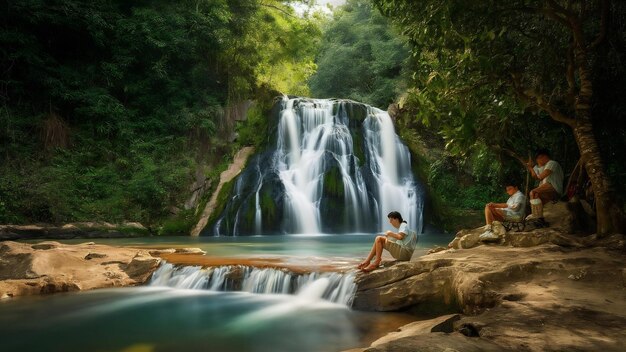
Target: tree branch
x,y
555,16
559,9
603,19
535,98
510,153
279,9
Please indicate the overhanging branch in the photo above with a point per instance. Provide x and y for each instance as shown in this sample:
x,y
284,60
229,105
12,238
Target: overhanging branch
x,y
533,97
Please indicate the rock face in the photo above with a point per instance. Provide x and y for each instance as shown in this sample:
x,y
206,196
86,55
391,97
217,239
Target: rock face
x,y
226,176
48,267
73,230
339,142
547,297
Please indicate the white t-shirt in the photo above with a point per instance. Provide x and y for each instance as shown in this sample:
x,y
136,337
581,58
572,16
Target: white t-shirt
x,y
406,240
555,178
516,205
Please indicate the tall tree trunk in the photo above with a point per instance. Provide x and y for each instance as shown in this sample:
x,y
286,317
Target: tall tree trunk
x,y
608,214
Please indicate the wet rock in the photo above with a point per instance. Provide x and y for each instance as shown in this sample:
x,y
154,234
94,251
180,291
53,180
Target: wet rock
x,y
156,252
141,267
50,267
443,323
236,273
397,272
54,287
189,251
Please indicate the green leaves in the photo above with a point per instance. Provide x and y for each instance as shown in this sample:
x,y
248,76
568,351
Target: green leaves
x,y
142,87
361,57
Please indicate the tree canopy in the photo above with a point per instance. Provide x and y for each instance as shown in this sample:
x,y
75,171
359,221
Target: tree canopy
x,y
361,57
499,74
109,107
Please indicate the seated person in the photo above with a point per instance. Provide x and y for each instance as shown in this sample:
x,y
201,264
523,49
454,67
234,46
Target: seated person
x,y
512,210
550,175
399,244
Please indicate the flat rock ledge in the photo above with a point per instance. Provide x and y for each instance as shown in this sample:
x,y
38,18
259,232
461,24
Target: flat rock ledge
x,y
73,230
49,267
563,294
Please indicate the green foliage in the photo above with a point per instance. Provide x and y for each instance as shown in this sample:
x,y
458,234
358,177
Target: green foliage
x,y
179,225
361,57
444,176
139,93
465,54
256,130
464,58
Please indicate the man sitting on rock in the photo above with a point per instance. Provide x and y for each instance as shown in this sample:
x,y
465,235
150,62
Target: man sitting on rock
x,y
550,175
512,210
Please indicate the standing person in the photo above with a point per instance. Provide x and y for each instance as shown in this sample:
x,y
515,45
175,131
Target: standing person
x,y
513,210
550,176
400,244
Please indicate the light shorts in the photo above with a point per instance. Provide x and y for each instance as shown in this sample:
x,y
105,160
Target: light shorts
x,y
397,251
510,216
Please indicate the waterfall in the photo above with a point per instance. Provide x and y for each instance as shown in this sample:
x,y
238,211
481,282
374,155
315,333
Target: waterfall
x,y
334,287
338,166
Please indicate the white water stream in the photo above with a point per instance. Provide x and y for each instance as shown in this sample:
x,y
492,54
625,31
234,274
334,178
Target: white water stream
x,y
333,287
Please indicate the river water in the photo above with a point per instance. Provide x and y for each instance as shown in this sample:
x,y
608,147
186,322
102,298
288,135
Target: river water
x,y
171,315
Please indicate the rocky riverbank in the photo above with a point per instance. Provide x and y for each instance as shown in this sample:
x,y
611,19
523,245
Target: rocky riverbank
x,y
72,230
542,291
48,267
537,290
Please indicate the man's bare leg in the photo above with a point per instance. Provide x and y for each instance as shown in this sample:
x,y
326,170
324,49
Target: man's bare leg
x,y
488,216
492,214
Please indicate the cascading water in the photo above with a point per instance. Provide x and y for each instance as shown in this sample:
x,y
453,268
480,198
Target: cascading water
x,y
338,166
334,287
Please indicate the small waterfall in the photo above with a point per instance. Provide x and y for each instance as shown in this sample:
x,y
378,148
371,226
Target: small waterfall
x,y
338,166
334,287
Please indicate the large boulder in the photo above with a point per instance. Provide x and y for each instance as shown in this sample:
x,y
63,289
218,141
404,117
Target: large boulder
x,y
538,298
47,267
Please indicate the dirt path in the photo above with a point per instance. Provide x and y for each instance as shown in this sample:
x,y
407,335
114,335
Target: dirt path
x,y
233,170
